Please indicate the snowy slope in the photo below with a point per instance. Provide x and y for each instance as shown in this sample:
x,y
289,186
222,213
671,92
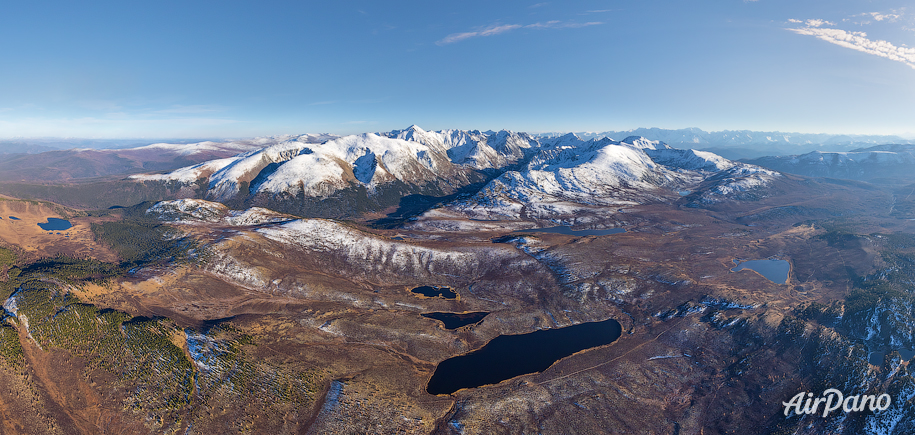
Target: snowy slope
x,y
193,211
602,172
319,166
542,178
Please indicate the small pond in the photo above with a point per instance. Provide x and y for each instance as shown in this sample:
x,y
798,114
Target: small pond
x,y
773,270
456,320
434,291
55,224
507,356
876,357
567,230
14,218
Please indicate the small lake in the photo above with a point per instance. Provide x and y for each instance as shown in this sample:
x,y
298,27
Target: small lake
x,y
567,230
507,356
773,270
876,357
55,224
456,320
14,218
433,291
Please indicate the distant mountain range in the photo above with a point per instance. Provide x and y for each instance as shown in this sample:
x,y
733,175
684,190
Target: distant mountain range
x,y
40,145
740,144
83,163
732,144
481,174
881,162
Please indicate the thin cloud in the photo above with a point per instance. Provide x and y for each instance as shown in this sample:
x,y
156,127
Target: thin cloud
x,y
502,28
812,23
538,5
560,25
859,41
869,17
489,31
889,17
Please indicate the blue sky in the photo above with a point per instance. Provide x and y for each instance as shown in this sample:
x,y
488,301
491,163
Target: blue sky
x,y
242,68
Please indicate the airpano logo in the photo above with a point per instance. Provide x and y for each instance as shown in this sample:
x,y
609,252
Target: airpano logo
x,y
832,400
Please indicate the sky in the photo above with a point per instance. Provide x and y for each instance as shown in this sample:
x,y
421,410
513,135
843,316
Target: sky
x,y
190,68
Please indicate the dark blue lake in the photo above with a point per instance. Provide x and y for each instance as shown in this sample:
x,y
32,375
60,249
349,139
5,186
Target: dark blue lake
x,y
14,218
433,291
567,230
507,356
55,224
456,320
876,357
773,270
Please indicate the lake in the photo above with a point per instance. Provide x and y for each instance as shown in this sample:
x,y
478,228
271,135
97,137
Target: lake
x,y
433,291
773,270
876,357
507,356
456,320
14,218
55,224
567,230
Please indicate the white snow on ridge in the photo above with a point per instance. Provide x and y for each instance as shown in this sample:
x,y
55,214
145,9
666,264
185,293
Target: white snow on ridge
x,y
188,174
560,170
827,158
569,171
372,253
191,211
188,209
194,148
413,156
693,160
311,174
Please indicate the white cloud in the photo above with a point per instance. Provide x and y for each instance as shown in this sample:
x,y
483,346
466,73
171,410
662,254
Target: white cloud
x,y
489,31
819,23
496,29
859,41
560,25
890,17
539,5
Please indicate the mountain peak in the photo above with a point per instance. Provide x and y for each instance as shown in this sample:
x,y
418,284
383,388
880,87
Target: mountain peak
x,y
643,143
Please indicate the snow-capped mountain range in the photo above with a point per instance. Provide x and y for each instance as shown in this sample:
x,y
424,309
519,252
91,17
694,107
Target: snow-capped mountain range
x,y
749,144
882,161
520,170
569,171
